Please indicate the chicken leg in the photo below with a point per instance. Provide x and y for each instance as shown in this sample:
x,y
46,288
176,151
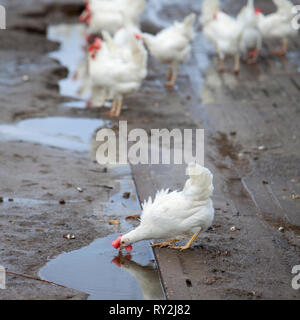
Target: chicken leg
x,y
171,83
237,59
119,108
163,244
188,244
113,110
221,66
282,50
169,73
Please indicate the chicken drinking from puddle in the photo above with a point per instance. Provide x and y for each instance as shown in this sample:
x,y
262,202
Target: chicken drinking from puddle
x,y
175,215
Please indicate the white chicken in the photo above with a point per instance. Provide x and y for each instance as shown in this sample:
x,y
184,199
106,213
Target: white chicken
x,y
232,36
122,38
278,25
250,41
172,46
223,31
111,15
175,215
115,72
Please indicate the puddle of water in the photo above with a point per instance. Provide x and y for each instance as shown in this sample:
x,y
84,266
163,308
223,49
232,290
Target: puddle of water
x,y
68,133
71,55
98,271
294,57
30,202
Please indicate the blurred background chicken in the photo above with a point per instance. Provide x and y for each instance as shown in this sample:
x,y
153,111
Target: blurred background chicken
x,y
176,215
111,15
223,31
250,42
172,46
278,25
117,71
232,36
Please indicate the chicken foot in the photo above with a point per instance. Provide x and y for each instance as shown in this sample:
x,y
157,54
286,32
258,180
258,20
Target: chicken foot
x,y
282,50
164,244
188,244
172,81
113,110
221,66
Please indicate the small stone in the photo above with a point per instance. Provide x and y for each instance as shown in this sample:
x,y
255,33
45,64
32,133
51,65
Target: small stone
x,y
281,229
11,200
25,77
114,222
265,182
1,200
126,195
233,133
79,189
260,148
69,236
295,196
62,201
232,229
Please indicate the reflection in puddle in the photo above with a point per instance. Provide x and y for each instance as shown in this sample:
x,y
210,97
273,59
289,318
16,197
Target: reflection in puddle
x,y
146,276
71,55
93,270
97,269
68,133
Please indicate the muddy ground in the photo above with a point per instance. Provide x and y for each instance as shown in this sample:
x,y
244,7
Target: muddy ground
x,y
252,147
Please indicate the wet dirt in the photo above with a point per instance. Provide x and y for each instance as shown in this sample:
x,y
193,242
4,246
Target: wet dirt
x,y
47,162
254,105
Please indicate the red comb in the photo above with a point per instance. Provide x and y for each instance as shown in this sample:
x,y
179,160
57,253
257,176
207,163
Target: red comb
x,y
116,244
258,11
95,46
138,36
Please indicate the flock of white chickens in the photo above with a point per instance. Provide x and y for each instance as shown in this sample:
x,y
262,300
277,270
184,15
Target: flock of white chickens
x,y
117,65
117,48
117,62
244,35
